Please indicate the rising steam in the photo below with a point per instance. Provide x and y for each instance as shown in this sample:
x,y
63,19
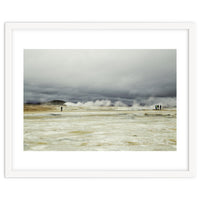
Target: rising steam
x,y
166,102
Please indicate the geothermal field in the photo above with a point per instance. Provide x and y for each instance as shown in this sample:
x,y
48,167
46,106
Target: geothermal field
x,y
98,128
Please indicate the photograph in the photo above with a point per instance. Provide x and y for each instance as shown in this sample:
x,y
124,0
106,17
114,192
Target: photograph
x,y
100,100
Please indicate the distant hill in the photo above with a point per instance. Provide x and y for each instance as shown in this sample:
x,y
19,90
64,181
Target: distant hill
x,y
53,102
56,102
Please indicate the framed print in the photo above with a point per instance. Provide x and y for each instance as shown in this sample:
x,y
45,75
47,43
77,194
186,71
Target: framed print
x,y
99,100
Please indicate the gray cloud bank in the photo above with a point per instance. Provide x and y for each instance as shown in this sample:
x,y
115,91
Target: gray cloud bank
x,y
89,75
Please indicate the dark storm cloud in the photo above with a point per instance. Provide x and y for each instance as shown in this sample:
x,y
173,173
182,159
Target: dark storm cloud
x,y
93,74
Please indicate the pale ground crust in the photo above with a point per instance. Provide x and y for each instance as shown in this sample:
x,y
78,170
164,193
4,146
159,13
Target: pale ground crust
x,y
46,128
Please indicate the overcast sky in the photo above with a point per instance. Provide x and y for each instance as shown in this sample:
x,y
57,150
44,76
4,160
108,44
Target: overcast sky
x,y
82,75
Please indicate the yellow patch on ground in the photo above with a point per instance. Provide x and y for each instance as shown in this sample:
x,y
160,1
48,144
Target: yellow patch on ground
x,y
84,144
133,143
42,143
173,140
81,132
40,108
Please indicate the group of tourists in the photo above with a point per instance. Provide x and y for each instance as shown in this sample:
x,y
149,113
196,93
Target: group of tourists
x,y
157,107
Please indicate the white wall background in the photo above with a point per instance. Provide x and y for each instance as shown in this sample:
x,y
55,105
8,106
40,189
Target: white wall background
x,y
93,10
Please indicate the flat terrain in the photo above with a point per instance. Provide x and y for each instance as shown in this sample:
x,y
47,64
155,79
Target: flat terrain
x,y
46,128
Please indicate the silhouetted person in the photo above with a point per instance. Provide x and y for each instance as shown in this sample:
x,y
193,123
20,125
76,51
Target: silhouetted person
x,y
61,109
160,107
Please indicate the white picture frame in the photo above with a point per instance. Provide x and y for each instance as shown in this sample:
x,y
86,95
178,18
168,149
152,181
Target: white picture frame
x,y
13,170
